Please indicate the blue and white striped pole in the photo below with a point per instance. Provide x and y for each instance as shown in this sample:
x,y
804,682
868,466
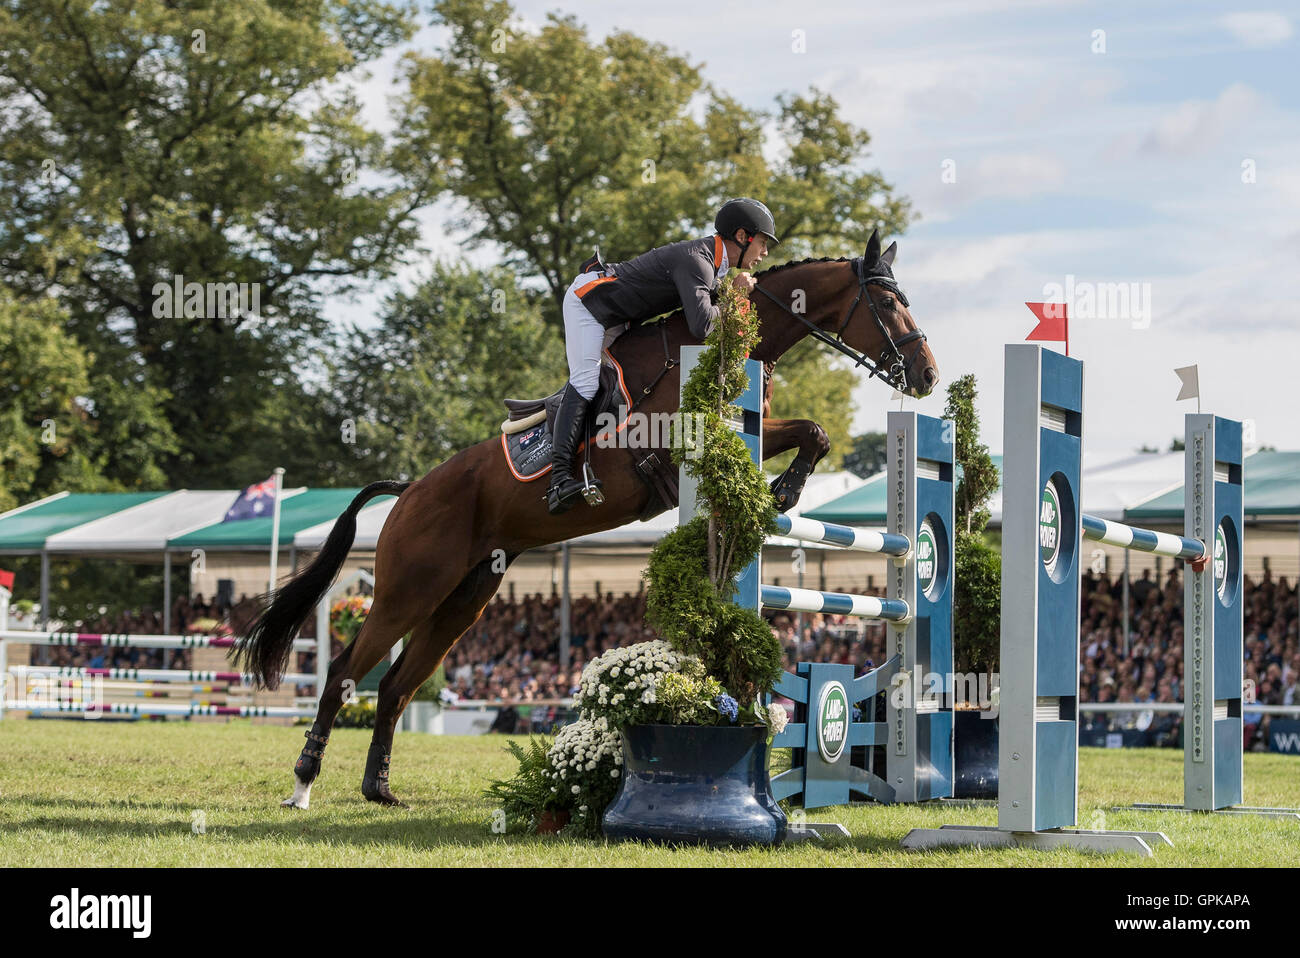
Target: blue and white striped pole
x,y
833,603
1142,540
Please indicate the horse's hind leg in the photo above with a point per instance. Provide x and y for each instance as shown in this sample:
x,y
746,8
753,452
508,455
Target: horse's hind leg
x,y
428,645
350,665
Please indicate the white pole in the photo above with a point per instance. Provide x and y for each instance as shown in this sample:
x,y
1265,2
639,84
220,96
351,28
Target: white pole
x,y
566,614
4,649
1125,602
167,592
275,526
323,645
45,589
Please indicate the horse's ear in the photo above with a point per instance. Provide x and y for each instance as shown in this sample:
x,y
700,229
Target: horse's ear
x,y
887,257
872,255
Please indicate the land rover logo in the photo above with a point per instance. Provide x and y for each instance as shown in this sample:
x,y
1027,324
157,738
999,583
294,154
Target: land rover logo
x,y
1049,527
1221,563
832,721
926,557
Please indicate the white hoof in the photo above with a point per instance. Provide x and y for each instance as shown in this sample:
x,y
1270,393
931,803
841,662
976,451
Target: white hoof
x,y
301,797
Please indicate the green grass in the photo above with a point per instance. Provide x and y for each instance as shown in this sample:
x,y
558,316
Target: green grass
x,y
94,793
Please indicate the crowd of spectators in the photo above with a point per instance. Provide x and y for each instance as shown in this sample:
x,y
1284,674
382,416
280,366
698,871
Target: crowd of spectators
x,y
1152,670
512,653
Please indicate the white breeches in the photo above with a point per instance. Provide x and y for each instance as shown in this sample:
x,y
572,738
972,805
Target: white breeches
x,y
584,340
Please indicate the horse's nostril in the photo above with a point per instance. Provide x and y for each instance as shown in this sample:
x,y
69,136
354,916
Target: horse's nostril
x,y
931,377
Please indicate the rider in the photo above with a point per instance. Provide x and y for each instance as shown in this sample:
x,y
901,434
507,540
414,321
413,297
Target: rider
x,y
684,274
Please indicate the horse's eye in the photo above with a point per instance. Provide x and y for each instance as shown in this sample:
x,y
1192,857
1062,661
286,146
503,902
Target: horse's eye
x,y
888,303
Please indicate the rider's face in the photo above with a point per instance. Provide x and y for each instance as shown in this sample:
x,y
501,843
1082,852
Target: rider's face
x,y
756,252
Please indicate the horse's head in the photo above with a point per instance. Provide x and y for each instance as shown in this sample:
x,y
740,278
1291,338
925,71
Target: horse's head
x,y
877,322
857,308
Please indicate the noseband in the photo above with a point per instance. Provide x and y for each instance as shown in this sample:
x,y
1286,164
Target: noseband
x,y
892,366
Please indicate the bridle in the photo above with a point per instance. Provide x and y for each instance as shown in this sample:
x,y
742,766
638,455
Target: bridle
x,y
891,356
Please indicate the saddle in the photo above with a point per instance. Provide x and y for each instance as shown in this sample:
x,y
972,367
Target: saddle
x,y
522,414
526,437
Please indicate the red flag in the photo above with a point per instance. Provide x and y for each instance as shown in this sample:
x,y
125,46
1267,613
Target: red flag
x,y
6,580
1053,323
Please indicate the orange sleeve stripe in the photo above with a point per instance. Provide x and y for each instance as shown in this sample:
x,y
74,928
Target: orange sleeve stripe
x,y
717,250
586,288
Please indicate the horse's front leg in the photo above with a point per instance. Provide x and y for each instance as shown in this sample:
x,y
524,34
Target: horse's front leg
x,y
810,439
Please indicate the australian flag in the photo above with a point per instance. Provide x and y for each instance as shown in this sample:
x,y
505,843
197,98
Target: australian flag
x,y
255,502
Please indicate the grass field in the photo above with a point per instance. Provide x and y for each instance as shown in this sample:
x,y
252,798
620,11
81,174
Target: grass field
x,y
77,793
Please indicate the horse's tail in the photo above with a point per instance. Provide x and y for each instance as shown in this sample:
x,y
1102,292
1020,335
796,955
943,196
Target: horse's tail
x,y
264,652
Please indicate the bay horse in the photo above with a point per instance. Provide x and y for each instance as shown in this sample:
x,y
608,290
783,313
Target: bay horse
x,y
445,546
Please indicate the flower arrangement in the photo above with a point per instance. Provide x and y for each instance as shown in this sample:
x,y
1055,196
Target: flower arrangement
x,y
347,615
714,655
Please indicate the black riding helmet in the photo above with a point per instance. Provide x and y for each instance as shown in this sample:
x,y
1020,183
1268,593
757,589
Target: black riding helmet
x,y
748,215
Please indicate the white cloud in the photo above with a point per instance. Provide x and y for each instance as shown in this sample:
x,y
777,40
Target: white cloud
x,y
1263,28
1197,124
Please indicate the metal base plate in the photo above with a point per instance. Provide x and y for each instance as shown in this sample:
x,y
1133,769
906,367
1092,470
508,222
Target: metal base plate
x,y
990,836
1289,813
816,832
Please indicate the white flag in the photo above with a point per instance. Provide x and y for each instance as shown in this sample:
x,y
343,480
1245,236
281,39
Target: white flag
x,y
1191,383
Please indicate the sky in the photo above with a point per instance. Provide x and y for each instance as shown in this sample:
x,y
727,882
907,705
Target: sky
x,y
1146,150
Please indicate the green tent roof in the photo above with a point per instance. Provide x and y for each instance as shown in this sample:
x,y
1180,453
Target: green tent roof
x,y
27,528
296,513
865,505
1272,490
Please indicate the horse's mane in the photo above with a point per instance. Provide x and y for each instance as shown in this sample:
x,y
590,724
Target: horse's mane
x,y
801,262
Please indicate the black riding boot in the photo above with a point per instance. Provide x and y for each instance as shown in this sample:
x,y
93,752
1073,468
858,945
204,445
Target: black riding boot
x,y
570,419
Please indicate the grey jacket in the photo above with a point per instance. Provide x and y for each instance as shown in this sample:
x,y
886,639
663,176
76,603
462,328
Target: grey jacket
x,y
681,274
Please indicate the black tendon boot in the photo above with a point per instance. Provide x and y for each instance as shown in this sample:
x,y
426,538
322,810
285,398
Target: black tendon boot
x,y
374,785
308,765
570,419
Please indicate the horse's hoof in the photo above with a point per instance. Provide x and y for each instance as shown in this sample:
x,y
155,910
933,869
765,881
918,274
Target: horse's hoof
x,y
301,796
382,796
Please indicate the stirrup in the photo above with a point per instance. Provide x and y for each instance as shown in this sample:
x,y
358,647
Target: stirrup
x,y
591,486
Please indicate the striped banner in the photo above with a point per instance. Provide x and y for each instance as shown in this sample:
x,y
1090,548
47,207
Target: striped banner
x,y
1143,540
115,640
155,675
836,603
846,537
162,709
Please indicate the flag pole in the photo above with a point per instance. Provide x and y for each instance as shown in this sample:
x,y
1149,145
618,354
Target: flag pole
x,y
275,525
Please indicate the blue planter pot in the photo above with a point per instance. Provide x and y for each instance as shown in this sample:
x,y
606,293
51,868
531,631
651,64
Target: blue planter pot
x,y
695,784
975,755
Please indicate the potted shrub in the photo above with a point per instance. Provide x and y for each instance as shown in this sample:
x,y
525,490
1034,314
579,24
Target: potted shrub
x,y
977,603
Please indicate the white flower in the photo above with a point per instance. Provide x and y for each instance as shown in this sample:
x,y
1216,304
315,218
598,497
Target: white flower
x,y
776,718
575,790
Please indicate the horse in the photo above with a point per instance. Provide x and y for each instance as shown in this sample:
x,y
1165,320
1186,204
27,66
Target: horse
x,y
451,535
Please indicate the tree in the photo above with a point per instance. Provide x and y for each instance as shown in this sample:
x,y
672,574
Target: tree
x,y
53,435
429,380
153,141
556,144
868,456
977,600
979,479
